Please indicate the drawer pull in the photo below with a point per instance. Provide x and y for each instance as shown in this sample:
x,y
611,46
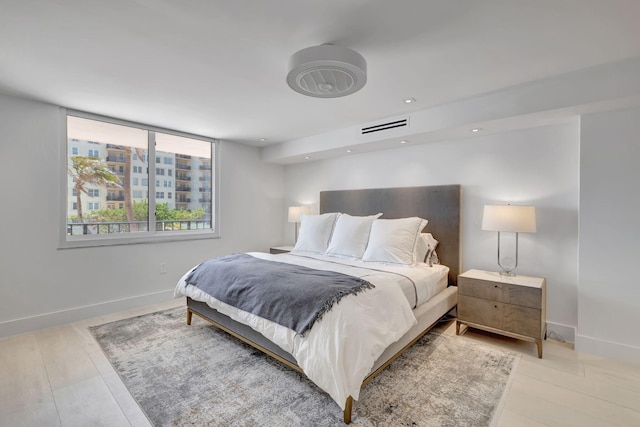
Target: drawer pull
x,y
495,306
495,286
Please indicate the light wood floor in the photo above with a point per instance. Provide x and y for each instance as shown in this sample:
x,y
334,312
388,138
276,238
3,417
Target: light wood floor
x,y
59,377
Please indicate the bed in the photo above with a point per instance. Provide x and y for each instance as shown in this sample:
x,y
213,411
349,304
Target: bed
x,y
341,374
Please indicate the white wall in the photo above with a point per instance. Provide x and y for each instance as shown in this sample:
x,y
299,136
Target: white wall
x,y
538,166
609,285
41,285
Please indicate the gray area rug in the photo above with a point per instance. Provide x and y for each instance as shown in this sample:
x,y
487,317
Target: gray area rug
x,y
197,375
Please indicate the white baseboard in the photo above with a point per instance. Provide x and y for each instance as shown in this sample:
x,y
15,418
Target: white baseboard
x,y
33,323
608,349
559,332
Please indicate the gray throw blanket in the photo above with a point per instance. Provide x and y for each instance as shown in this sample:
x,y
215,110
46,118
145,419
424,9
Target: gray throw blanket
x,y
290,295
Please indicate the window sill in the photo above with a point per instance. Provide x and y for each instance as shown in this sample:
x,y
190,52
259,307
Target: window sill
x,y
135,240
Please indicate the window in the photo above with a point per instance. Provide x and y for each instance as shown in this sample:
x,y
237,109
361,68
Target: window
x,y
143,212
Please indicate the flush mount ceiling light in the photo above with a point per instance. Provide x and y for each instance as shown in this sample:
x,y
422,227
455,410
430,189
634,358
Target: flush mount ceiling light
x,y
327,71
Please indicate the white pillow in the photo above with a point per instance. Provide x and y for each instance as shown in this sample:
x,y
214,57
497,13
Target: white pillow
x,y
425,249
315,232
350,235
393,241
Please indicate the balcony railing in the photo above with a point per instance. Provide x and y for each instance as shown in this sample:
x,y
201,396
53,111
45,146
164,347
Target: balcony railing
x,y
75,229
116,159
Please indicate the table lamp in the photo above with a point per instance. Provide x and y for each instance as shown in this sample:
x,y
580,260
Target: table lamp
x,y
295,213
508,218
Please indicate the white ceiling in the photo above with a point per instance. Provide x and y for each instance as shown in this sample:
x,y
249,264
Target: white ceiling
x,y
217,68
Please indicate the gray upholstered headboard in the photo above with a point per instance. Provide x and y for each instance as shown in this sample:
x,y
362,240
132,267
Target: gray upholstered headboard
x,y
438,204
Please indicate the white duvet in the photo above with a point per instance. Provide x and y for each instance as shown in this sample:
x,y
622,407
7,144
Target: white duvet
x,y
339,351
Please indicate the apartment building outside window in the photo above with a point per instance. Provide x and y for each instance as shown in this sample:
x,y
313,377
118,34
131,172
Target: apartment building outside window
x,y
132,208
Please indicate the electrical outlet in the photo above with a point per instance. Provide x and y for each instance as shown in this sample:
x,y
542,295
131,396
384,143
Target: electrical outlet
x,y
163,268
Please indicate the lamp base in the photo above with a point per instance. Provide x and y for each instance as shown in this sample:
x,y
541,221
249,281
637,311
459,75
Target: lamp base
x,y
507,273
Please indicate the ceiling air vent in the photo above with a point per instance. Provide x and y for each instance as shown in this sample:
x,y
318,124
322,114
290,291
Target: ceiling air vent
x,y
385,126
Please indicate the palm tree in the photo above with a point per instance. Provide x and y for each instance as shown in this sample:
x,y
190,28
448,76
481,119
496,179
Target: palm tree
x,y
89,171
128,200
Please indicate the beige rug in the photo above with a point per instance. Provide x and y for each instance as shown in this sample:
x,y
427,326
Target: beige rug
x,y
196,375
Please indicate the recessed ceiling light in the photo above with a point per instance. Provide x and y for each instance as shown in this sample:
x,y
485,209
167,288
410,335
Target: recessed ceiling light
x,y
263,139
476,130
409,100
404,141
307,157
349,151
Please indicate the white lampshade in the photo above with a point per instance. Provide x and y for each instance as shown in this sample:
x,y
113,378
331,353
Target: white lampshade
x,y
517,219
295,212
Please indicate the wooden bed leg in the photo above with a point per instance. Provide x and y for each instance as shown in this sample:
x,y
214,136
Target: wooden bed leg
x,y
347,410
189,316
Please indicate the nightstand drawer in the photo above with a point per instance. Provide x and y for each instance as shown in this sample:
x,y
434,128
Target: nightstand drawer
x,y
501,292
481,311
522,320
507,317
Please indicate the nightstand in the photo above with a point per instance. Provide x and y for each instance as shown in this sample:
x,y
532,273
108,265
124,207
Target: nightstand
x,y
280,249
513,306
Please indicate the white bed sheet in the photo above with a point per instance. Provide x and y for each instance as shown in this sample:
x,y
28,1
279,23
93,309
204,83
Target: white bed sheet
x,y
421,280
339,351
